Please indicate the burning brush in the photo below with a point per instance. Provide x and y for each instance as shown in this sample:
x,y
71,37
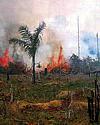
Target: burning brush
x,y
58,62
5,60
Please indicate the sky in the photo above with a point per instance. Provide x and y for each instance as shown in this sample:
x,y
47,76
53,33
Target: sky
x,y
60,17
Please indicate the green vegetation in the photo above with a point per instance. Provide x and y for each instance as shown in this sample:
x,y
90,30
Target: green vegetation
x,y
25,94
30,42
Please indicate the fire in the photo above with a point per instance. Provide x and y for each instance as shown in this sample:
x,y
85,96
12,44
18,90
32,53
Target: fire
x,y
5,59
58,62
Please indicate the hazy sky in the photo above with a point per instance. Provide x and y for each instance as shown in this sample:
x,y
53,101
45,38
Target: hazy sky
x,y
61,19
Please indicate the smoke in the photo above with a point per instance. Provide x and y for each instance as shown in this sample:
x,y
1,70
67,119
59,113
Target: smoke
x,y
61,20
15,13
90,40
10,20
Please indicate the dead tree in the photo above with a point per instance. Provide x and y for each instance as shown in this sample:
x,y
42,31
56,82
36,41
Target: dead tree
x,y
93,104
96,101
91,107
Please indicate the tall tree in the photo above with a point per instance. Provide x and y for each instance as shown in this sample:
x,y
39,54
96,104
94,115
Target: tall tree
x,y
30,42
75,63
88,64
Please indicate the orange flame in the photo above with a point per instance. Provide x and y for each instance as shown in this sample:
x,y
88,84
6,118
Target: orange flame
x,y
59,62
5,59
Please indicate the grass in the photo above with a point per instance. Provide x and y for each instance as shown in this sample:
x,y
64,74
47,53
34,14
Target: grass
x,y
44,92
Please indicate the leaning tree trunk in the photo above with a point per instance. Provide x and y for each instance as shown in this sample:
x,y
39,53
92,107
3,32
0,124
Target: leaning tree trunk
x,y
33,72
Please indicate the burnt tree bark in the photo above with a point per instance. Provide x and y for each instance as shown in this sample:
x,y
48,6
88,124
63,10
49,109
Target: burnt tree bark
x,y
90,109
93,104
7,74
96,101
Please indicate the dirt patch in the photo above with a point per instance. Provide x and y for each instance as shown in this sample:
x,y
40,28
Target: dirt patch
x,y
63,93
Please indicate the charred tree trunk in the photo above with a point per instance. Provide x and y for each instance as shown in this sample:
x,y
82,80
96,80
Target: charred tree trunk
x,y
90,109
96,101
45,71
33,72
93,108
7,73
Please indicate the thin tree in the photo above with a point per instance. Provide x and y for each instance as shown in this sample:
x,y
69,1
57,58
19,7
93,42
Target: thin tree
x,y
30,42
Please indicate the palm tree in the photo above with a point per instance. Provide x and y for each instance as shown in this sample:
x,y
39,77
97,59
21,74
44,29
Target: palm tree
x,y
30,42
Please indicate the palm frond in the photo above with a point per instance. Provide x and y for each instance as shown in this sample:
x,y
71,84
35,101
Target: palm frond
x,y
19,42
40,27
36,38
25,33
28,41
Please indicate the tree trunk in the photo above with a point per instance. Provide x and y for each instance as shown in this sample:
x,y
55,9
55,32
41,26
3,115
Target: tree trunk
x,y
7,74
33,72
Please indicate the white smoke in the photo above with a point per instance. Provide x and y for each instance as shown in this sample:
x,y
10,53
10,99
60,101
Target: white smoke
x,y
60,17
